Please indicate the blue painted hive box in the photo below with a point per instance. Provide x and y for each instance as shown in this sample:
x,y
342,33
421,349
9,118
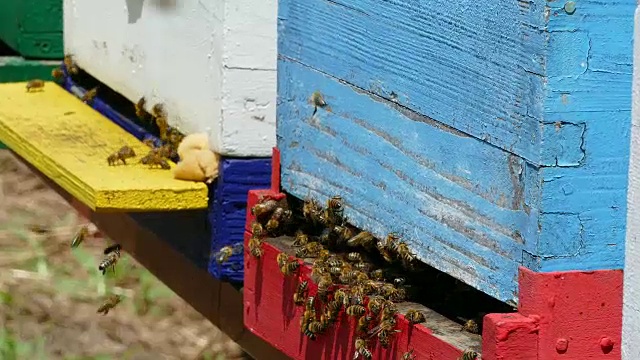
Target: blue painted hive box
x,y
491,134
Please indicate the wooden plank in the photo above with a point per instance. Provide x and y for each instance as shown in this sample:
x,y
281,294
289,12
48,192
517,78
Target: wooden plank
x,y
631,304
224,50
271,314
462,205
221,303
69,142
475,66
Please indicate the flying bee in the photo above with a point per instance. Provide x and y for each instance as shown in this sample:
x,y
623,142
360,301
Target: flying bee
x,y
109,304
290,267
301,239
264,208
361,350
408,355
356,310
80,236
89,95
57,74
363,323
255,247
363,238
415,316
468,355
122,154
35,84
471,326
282,259
354,257
70,65
112,255
225,253
301,293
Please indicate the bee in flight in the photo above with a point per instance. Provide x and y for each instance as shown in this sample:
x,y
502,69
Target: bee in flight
x,y
57,74
112,255
80,236
109,304
35,84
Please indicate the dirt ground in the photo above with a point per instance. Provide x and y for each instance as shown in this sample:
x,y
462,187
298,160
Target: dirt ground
x,y
49,293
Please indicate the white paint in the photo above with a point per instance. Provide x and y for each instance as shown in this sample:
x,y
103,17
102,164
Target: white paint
x,y
211,62
631,305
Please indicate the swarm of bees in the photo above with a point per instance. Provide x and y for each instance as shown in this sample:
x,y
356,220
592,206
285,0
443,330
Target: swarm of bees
x,y
346,279
111,257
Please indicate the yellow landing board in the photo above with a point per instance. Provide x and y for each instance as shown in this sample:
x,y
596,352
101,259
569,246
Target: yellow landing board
x,y
69,142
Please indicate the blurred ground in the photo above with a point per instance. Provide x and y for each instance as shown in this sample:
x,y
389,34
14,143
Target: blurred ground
x,y
49,293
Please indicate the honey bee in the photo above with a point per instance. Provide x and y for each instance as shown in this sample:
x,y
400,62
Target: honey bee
x,y
264,208
364,238
375,304
301,239
384,331
141,113
377,274
318,102
341,297
345,232
363,323
301,293
356,310
415,316
468,355
109,304
408,355
311,211
471,326
155,160
310,250
308,315
314,328
225,253
404,253
332,311
71,66
163,127
354,257
256,229
112,255
80,236
57,74
382,248
122,154
35,84
399,281
290,267
361,350
362,266
282,259
255,247
89,95
324,284
391,241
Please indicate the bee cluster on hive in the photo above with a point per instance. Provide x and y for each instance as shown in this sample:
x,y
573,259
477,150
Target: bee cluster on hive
x,y
354,272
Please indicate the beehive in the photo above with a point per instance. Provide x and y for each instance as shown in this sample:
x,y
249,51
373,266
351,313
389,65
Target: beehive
x,y
489,134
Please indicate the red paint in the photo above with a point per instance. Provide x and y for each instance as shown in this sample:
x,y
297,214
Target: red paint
x,y
275,170
562,315
271,314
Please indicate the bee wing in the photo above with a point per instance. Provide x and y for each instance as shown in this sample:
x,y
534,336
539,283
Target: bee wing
x,y
112,248
373,332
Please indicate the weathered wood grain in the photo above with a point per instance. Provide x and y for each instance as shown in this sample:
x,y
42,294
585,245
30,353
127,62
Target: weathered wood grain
x,y
461,203
476,66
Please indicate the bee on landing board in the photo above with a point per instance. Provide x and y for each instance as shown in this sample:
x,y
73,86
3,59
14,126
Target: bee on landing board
x,y
362,350
80,236
109,304
122,154
35,84
71,66
470,326
89,95
112,255
155,160
415,317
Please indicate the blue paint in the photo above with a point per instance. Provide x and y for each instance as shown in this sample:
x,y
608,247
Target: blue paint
x,y
456,199
537,104
228,209
473,65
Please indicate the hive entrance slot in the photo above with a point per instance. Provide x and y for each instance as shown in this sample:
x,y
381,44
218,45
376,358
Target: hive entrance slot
x,y
5,50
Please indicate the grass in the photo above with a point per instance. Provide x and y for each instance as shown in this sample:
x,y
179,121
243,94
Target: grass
x,y
49,293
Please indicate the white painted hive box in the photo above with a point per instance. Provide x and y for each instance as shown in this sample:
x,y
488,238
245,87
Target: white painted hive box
x,y
211,62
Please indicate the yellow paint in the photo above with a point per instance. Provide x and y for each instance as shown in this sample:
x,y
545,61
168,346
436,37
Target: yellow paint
x,y
69,142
